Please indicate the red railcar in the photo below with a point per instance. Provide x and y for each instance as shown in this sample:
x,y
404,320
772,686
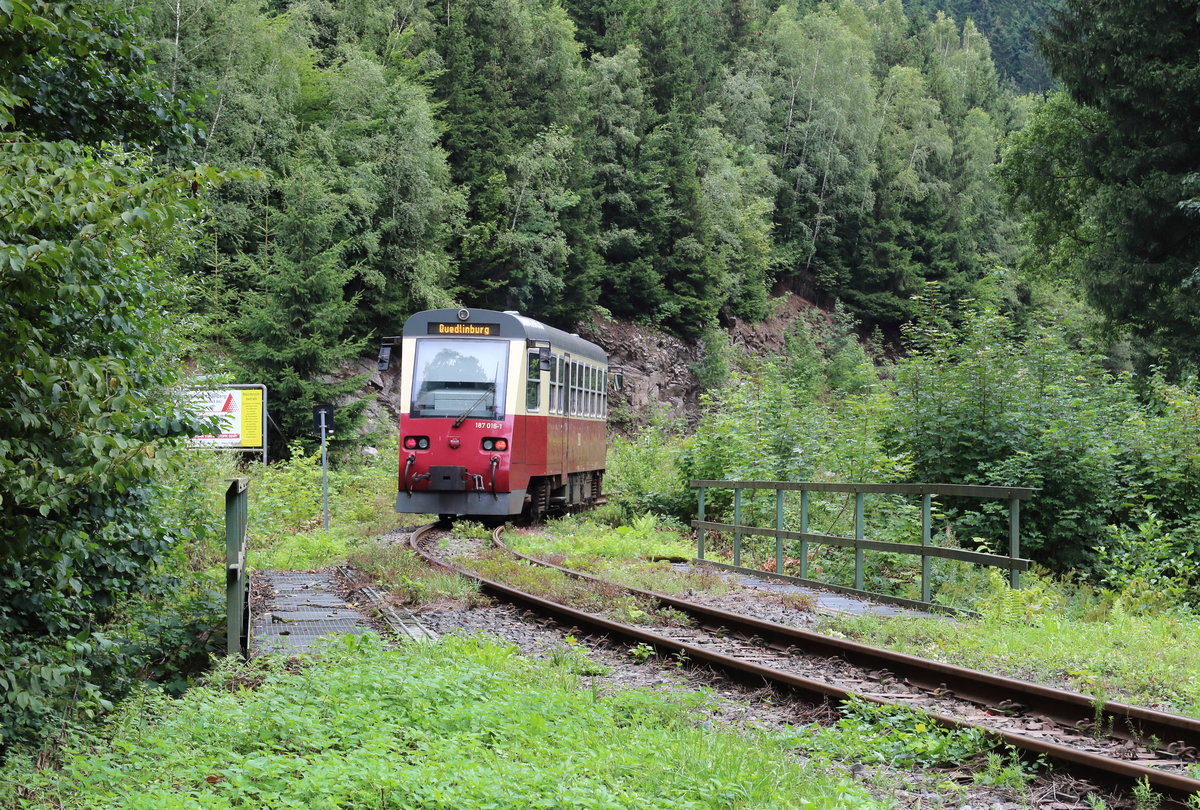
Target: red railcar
x,y
503,415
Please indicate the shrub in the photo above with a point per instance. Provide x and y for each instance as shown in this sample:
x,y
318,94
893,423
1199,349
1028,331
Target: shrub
x,y
983,404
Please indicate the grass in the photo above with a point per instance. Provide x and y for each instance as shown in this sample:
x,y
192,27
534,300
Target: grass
x,y
634,555
897,736
409,579
465,722
558,587
286,513
1152,661
577,536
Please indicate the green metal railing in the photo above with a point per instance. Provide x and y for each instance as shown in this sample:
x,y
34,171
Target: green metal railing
x,y
237,579
1013,562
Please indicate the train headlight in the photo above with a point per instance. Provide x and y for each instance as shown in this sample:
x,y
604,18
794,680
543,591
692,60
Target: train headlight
x,y
416,442
423,443
495,444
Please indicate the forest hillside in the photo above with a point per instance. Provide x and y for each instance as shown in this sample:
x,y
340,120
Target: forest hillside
x,y
674,162
989,285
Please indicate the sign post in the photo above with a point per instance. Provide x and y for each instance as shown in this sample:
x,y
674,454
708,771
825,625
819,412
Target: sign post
x,y
323,424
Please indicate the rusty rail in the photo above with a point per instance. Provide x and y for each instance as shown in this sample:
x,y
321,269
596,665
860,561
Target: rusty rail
x,y
1126,721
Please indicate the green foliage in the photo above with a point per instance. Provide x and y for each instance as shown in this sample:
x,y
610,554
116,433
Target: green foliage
x,y
893,735
470,529
90,399
1122,234
75,71
472,722
1011,29
1077,639
290,334
993,403
1009,772
574,659
987,405
641,652
1035,601
642,472
1150,566
286,521
579,536
409,579
671,160
639,555
342,226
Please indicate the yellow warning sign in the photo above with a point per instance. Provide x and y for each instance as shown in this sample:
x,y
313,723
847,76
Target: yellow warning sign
x,y
240,415
252,417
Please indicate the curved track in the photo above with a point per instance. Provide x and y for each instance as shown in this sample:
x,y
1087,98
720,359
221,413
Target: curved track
x,y
1112,743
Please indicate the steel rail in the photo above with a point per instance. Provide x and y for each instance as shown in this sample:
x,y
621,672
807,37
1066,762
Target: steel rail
x,y
1067,708
1125,774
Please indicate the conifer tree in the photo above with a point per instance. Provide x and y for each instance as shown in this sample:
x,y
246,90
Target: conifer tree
x,y
1102,170
291,331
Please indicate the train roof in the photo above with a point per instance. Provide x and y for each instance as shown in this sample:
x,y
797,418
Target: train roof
x,y
490,323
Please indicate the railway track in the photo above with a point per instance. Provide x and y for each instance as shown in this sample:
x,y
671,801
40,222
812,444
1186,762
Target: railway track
x,y
1107,742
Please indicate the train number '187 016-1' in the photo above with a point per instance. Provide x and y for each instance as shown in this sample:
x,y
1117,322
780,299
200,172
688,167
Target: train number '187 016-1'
x,y
489,425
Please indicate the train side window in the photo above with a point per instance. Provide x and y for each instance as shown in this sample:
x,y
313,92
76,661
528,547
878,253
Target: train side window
x,y
553,407
575,389
533,382
591,380
563,384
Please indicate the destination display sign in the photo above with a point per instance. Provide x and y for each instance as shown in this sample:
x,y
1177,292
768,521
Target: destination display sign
x,y
472,329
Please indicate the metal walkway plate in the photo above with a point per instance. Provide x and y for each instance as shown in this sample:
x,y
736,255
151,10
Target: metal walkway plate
x,y
301,607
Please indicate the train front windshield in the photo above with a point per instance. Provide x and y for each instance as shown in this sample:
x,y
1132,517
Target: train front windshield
x,y
456,378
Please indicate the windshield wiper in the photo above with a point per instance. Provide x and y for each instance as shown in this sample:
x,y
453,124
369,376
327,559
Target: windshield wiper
x,y
458,422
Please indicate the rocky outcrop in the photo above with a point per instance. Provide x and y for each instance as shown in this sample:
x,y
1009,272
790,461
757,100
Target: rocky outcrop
x,y
657,372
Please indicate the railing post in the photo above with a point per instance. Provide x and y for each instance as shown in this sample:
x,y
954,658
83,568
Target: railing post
x,y
779,527
700,529
1014,540
236,586
926,537
859,534
804,530
737,526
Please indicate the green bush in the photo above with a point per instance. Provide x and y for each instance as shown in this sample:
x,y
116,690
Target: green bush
x,y
984,404
642,474
90,406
